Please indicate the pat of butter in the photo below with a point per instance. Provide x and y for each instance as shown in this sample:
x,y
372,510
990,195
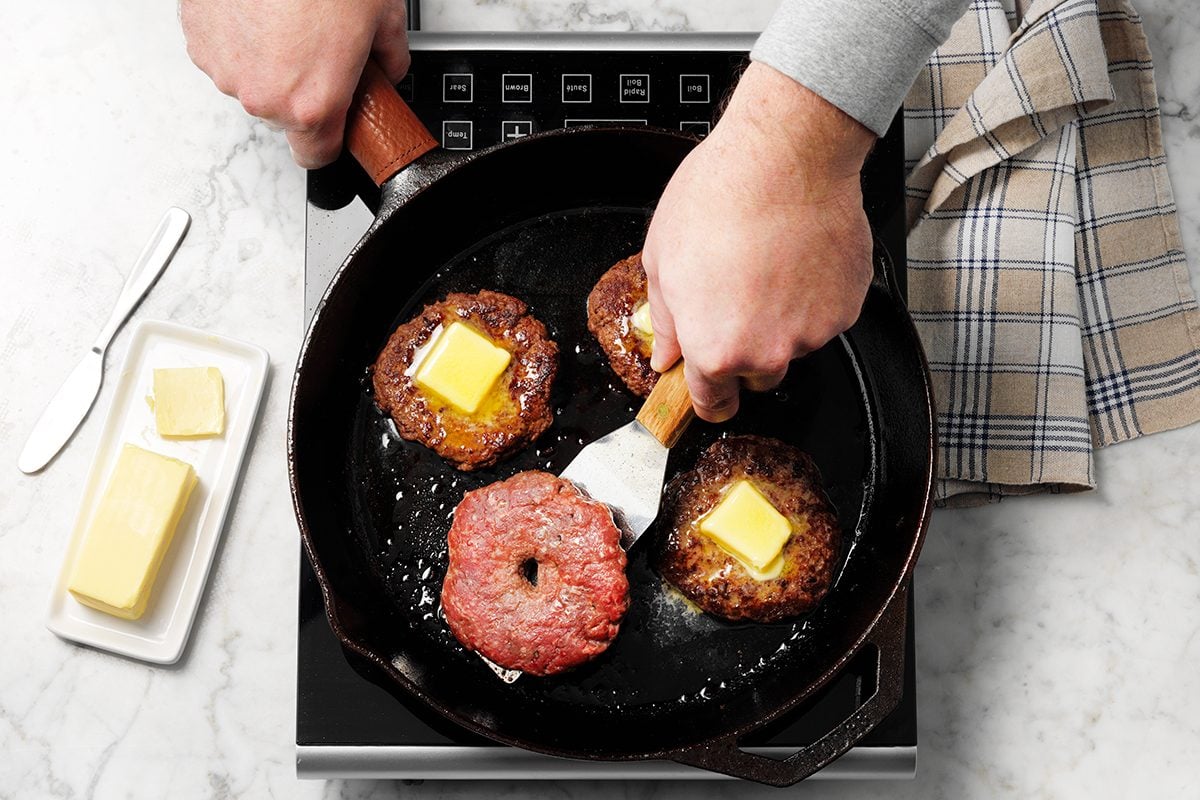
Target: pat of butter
x,y
641,319
462,366
125,543
189,402
746,525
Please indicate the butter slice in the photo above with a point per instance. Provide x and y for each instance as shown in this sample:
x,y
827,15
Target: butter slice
x,y
130,532
641,319
746,525
462,366
189,402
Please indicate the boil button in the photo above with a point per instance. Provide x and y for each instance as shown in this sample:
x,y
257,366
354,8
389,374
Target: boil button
x,y
693,88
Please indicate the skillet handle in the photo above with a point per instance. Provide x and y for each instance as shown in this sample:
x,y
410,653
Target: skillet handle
x,y
724,755
382,132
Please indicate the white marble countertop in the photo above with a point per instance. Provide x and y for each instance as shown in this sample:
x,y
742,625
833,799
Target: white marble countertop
x,y
1058,638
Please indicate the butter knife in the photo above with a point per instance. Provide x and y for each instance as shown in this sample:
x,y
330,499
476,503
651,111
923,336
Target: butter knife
x,y
70,405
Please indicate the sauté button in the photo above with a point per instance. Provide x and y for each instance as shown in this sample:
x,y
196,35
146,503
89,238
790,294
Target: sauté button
x,y
577,88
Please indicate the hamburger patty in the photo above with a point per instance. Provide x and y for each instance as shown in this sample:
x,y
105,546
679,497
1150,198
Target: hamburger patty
x,y
515,413
715,580
536,580
610,308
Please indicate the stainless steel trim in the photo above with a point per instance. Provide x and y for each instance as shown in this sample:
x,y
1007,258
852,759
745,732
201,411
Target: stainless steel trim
x,y
472,41
501,763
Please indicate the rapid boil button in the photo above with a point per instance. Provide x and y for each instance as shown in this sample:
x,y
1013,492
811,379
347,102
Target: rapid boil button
x,y
635,88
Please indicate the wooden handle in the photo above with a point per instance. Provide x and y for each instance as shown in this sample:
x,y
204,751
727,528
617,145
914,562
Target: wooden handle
x,y
668,410
382,132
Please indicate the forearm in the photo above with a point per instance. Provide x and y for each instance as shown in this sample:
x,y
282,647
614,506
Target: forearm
x,y
860,56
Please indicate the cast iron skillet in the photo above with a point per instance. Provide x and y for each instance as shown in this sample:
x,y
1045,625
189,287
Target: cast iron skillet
x,y
542,218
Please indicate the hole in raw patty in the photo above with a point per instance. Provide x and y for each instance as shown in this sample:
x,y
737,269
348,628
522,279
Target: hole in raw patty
x,y
529,570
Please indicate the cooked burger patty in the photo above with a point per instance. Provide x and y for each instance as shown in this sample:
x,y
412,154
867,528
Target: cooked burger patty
x,y
536,580
610,308
715,580
515,413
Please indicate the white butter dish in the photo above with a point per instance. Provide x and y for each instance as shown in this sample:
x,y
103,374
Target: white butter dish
x,y
160,634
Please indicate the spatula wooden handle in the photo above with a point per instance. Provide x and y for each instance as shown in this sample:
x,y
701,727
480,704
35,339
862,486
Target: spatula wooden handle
x,y
668,410
382,132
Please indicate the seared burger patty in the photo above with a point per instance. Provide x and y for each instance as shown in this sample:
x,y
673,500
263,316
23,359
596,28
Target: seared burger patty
x,y
515,413
715,580
536,580
610,307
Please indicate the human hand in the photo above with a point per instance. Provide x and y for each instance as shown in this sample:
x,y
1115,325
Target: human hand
x,y
760,251
296,63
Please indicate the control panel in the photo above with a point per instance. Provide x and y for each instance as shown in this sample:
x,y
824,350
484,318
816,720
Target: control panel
x,y
475,100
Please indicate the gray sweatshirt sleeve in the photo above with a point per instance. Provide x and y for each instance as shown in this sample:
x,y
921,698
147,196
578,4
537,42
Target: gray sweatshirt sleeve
x,y
860,55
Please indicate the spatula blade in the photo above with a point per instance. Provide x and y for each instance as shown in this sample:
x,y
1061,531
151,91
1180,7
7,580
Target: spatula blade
x,y
624,470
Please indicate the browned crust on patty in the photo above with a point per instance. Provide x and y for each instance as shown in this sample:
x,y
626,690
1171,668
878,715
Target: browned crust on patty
x,y
713,579
610,308
517,411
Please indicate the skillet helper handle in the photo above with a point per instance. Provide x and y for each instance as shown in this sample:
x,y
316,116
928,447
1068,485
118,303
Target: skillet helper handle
x,y
382,132
724,756
668,410
885,278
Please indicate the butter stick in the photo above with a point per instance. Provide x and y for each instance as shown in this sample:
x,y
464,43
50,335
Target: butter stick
x,y
130,532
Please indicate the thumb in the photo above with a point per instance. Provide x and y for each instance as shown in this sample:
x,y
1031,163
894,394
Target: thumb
x,y
666,346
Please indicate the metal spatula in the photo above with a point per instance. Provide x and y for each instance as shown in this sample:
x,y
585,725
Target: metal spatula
x,y
625,469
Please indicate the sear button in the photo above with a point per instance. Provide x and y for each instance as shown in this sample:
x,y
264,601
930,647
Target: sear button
x,y
635,88
693,88
695,127
577,88
458,87
516,88
457,134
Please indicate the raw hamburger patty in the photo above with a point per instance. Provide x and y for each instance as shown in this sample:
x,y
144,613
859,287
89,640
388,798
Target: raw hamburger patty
x,y
713,579
570,610
516,412
610,308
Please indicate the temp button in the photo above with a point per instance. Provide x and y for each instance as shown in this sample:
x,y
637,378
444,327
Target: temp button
x,y
577,88
693,88
458,134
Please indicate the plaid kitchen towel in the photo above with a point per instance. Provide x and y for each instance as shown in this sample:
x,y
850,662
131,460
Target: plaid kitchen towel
x,y
1046,274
